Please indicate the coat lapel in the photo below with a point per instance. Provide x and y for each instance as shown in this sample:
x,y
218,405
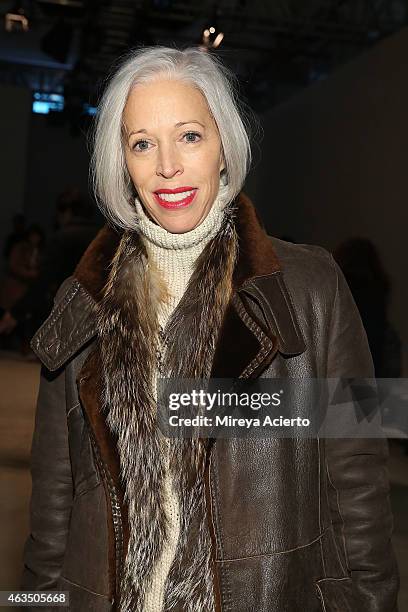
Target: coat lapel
x,y
260,320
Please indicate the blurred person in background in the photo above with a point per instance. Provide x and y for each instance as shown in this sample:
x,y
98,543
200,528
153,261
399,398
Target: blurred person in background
x,y
22,271
23,266
17,234
75,229
371,288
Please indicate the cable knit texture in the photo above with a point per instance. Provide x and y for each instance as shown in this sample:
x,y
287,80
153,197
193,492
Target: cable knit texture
x,y
175,256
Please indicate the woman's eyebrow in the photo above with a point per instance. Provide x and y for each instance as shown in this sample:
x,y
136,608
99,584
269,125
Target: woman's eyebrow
x,y
192,121
177,125
137,132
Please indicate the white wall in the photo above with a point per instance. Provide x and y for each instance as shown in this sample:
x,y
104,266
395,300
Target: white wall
x,y
335,162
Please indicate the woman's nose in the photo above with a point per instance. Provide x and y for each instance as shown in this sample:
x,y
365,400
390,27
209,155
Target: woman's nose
x,y
169,163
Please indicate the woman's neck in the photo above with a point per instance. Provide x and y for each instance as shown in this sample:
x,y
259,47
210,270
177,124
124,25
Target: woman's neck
x,y
175,254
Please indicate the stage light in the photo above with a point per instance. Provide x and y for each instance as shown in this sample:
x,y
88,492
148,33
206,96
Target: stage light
x,y
208,39
218,40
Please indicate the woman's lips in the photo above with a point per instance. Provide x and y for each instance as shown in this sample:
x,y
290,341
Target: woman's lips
x,y
175,198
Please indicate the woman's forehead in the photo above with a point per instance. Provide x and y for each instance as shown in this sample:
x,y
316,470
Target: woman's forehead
x,y
166,101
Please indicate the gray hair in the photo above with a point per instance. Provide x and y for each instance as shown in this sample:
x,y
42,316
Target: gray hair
x,y
112,184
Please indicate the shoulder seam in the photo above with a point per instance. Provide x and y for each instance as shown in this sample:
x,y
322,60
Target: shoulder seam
x,y
313,249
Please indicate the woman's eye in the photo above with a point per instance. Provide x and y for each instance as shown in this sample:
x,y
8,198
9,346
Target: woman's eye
x,y
192,136
140,145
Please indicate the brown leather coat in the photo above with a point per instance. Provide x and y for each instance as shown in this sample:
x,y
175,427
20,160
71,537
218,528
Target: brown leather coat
x,y
296,524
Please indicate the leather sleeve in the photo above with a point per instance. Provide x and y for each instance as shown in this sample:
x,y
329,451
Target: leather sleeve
x,y
358,474
52,487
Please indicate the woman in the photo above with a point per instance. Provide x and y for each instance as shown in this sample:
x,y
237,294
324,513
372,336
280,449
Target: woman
x,y
186,284
360,262
23,269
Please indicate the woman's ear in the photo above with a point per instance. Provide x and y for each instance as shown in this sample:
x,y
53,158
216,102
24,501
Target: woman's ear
x,y
222,162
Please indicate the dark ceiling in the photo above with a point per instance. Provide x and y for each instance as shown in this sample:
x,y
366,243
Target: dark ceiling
x,y
275,47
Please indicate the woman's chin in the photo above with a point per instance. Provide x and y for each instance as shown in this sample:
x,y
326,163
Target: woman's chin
x,y
177,221
178,228
178,224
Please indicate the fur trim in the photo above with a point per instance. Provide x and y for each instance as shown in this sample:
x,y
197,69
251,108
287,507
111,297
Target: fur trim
x,y
257,256
90,390
128,336
92,270
191,334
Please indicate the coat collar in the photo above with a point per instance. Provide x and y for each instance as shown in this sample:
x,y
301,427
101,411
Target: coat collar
x,y
259,321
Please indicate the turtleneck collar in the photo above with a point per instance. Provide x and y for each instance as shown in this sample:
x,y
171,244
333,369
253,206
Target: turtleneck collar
x,y
175,255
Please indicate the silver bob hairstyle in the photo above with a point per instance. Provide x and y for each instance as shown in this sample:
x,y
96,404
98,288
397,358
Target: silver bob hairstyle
x,y
113,187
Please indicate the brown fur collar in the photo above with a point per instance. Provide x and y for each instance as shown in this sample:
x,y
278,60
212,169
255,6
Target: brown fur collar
x,y
256,257
129,345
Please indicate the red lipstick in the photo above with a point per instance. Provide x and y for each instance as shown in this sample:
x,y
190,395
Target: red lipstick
x,y
167,198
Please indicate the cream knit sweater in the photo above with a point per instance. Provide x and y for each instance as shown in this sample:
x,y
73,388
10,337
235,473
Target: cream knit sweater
x,y
175,256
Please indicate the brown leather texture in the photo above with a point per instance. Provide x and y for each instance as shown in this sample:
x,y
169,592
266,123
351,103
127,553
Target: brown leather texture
x,y
297,524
